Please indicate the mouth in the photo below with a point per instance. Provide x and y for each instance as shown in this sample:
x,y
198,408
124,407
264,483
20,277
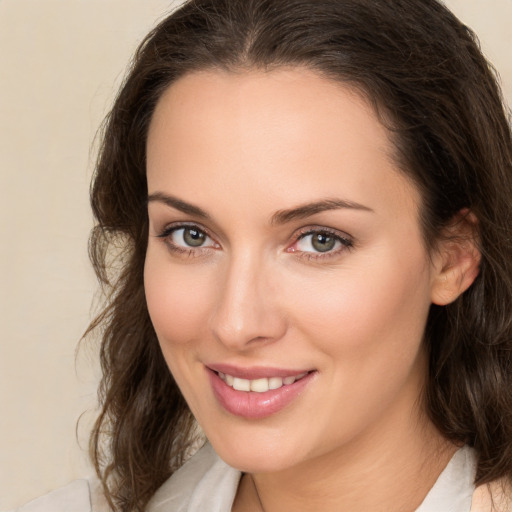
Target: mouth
x,y
261,385
257,393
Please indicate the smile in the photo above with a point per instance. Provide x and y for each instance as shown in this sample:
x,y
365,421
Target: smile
x,y
259,385
257,393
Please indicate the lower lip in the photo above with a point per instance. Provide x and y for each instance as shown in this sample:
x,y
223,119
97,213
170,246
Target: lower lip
x,y
253,405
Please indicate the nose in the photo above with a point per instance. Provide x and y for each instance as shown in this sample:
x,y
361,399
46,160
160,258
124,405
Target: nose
x,y
247,312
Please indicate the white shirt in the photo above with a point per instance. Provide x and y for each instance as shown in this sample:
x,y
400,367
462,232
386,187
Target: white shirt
x,y
205,483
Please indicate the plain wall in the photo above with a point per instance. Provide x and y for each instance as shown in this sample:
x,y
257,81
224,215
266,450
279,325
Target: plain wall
x,y
60,64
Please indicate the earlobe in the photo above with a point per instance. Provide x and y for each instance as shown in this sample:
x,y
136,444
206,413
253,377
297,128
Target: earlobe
x,y
456,263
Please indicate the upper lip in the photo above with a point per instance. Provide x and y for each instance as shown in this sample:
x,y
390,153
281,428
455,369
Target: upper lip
x,y
254,372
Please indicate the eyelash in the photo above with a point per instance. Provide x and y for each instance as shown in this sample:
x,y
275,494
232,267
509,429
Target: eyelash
x,y
345,241
187,252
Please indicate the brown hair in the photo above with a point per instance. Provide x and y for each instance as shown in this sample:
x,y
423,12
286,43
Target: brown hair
x,y
424,72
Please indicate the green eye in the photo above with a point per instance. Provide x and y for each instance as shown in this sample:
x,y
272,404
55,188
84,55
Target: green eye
x,y
193,237
187,237
323,242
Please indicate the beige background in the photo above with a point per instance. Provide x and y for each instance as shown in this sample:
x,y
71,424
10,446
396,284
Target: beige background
x,y
60,64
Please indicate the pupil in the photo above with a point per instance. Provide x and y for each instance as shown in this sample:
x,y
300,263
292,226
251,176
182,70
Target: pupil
x,y
193,237
323,242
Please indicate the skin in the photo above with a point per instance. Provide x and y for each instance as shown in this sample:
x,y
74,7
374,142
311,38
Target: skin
x,y
243,147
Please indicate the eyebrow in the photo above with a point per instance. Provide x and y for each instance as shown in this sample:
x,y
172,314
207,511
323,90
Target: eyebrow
x,y
178,204
306,210
280,217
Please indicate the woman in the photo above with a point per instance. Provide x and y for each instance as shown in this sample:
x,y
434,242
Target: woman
x,y
312,203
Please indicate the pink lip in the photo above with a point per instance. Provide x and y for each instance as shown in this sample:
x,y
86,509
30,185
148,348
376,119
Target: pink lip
x,y
252,405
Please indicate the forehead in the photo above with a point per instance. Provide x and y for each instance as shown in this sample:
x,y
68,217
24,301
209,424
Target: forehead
x,y
286,134
294,98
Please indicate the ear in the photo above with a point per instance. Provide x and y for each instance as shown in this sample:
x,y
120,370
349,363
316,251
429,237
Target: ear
x,y
456,259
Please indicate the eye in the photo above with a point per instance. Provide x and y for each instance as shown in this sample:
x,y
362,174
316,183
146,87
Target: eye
x,y
320,242
183,238
189,237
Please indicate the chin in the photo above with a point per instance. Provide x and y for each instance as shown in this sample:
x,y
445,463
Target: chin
x,y
257,452
257,461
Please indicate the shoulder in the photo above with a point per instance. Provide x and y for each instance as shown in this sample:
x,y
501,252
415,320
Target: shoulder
x,y
82,495
204,482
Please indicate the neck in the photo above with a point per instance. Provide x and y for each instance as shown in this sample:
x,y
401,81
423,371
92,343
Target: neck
x,y
375,473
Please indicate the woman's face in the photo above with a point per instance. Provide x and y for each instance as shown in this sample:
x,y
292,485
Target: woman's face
x,y
284,243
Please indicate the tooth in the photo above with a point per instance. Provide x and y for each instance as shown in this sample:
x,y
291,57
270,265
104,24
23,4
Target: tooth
x,y
241,384
275,382
259,385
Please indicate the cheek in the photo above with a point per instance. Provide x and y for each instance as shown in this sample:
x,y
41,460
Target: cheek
x,y
374,305
178,301
365,325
